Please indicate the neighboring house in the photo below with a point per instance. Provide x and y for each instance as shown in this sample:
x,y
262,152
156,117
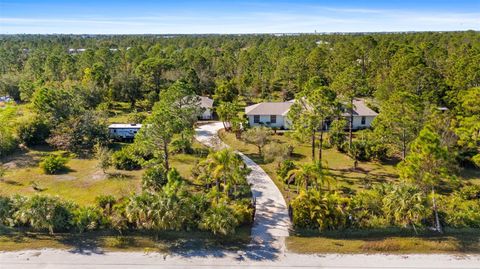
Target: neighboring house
x,y
272,114
124,131
363,116
207,105
5,98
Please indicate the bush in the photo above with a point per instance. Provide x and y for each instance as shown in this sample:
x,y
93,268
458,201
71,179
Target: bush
x,y
470,192
154,178
53,164
337,135
7,142
182,145
105,202
243,211
87,219
285,167
220,220
32,131
460,213
276,152
323,211
6,209
125,159
45,213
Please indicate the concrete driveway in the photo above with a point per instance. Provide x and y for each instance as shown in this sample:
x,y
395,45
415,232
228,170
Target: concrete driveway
x,y
272,223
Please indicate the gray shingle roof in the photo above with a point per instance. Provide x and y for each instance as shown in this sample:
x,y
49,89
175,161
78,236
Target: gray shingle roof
x,y
282,108
206,102
269,108
360,108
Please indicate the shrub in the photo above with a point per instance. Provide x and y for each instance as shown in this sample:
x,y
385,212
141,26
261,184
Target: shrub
x,y
276,152
459,212
285,167
45,213
32,131
125,159
154,178
87,219
219,219
53,164
336,135
183,145
104,201
8,143
470,192
6,209
243,212
322,211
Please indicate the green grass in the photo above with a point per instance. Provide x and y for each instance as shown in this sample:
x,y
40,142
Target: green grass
x,y
348,180
83,181
392,241
164,242
339,164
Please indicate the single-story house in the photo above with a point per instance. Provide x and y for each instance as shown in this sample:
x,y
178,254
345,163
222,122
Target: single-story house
x,y
5,98
363,116
124,131
272,114
207,105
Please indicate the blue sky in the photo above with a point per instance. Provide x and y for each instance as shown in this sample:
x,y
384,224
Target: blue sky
x,y
188,17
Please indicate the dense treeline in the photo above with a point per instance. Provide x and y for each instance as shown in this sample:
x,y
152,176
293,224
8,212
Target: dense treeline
x,y
417,70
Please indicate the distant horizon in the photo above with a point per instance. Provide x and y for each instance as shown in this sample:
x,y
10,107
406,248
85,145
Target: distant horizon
x,y
236,17
243,34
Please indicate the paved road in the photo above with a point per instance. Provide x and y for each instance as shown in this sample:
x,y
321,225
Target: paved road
x,y
57,259
271,225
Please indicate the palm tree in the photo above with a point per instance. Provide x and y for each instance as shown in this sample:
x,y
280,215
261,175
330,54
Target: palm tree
x,y
139,210
308,174
224,166
405,205
219,219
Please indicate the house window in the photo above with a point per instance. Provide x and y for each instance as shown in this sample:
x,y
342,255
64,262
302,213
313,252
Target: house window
x,y
364,119
273,118
256,118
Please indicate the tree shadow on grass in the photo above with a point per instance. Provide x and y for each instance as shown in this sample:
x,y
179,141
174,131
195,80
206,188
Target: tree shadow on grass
x,y
119,176
11,182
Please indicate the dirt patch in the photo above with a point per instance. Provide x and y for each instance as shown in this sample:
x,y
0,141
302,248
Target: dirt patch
x,y
99,175
65,177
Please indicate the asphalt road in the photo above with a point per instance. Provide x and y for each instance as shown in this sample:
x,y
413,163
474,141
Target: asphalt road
x,y
61,259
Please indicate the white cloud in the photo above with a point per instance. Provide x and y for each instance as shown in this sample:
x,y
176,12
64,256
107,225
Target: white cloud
x,y
263,19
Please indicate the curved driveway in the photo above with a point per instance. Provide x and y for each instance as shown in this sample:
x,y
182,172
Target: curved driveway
x,y
271,224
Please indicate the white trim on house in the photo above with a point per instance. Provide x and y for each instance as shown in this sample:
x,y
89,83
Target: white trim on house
x,y
272,114
261,114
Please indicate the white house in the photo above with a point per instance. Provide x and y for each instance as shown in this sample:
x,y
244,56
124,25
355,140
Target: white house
x,y
272,114
124,131
363,116
207,105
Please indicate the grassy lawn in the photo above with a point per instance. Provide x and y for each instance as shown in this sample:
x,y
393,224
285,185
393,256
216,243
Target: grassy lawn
x,y
386,241
83,181
165,242
340,165
348,180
